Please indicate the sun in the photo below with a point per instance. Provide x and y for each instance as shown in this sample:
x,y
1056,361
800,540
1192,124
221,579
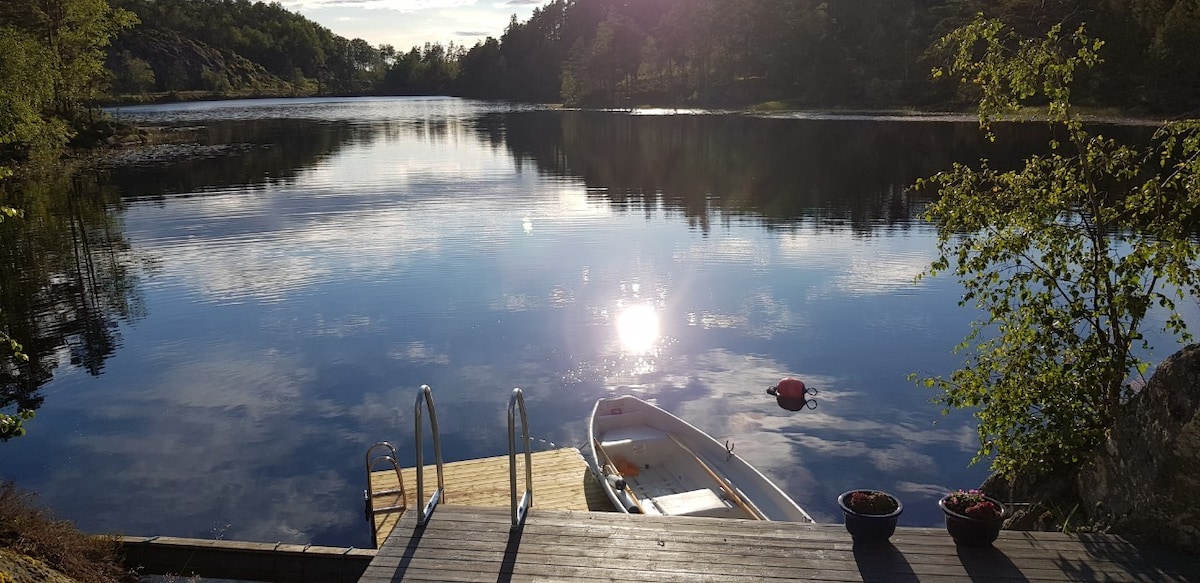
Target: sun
x,y
637,329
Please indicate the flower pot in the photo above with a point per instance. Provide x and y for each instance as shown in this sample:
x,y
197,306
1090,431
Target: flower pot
x,y
973,532
869,528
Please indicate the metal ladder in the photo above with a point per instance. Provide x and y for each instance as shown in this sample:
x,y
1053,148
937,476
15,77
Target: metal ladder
x,y
426,396
382,451
519,511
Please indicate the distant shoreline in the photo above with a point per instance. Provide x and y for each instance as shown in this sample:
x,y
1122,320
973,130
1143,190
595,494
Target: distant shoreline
x,y
774,109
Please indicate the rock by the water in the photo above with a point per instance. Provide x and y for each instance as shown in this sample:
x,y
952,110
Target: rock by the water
x,y
1145,479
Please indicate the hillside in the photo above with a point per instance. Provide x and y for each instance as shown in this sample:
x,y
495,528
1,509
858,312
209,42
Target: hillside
x,y
178,63
237,47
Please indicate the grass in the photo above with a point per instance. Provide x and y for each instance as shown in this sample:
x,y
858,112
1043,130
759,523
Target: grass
x,y
30,531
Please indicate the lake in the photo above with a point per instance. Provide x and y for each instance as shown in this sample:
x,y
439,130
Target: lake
x,y
221,325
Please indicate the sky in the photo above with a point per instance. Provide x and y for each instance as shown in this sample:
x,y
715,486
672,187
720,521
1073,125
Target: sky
x,y
408,23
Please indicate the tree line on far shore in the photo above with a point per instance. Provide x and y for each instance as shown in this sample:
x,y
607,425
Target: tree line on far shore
x,y
803,53
64,56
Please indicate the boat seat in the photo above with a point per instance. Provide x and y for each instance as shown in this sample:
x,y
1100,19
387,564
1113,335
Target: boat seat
x,y
629,435
702,502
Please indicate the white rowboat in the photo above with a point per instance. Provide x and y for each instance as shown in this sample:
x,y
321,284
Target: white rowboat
x,y
652,462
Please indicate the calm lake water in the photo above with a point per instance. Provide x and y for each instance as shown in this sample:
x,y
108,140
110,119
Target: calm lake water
x,y
222,326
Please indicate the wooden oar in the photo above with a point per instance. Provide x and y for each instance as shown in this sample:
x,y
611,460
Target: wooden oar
x,y
608,461
729,489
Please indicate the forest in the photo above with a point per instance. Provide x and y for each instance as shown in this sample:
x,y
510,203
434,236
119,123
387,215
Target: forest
x,y
63,57
804,53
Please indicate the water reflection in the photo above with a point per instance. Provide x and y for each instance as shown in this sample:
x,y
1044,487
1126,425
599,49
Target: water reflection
x,y
69,281
820,171
277,304
637,329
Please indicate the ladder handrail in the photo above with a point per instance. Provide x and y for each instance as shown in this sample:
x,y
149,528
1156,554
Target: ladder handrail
x,y
372,460
519,512
426,396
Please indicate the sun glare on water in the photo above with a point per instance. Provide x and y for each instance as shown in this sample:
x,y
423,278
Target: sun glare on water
x,y
637,329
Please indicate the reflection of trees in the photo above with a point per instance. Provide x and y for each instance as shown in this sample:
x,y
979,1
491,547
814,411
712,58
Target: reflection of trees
x,y
65,281
231,154
250,152
66,270
850,173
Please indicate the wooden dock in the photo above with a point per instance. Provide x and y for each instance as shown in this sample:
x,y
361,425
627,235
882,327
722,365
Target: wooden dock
x,y
468,538
561,481
462,543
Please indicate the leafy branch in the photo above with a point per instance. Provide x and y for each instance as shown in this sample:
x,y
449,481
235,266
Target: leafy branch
x,y
1064,257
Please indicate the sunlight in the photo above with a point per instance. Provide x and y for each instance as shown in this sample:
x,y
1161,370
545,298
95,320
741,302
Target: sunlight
x,y
637,328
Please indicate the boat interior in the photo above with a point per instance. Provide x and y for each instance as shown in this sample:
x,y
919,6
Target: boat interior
x,y
662,475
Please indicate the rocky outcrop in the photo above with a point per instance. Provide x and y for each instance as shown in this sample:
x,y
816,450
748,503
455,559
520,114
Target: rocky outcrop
x,y
181,63
1140,483
1145,481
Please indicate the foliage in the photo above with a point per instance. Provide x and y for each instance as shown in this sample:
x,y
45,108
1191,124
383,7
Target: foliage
x,y
871,502
73,34
973,504
432,70
52,67
52,63
12,425
131,75
265,48
1065,257
27,90
814,53
863,53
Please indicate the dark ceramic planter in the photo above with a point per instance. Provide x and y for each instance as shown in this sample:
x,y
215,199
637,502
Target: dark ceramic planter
x,y
870,528
973,532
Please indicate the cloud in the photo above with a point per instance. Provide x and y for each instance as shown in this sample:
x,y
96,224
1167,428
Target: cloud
x,y
412,23
404,6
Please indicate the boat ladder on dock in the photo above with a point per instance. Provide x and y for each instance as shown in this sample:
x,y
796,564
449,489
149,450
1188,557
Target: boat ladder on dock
x,y
386,498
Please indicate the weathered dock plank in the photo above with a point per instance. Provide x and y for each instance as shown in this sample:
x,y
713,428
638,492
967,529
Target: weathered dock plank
x,y
476,544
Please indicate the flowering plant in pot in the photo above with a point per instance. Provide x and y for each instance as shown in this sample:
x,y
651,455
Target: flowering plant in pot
x,y
870,514
972,517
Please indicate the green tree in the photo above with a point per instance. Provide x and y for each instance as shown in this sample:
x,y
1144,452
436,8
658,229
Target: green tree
x,y
74,34
482,70
26,91
1065,256
131,75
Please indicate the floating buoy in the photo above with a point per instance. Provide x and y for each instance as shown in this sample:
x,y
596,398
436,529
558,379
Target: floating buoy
x,y
792,394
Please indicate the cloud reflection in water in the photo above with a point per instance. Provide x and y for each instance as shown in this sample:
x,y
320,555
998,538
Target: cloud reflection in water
x,y
290,324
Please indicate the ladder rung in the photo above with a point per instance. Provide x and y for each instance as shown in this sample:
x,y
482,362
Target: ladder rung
x,y
388,509
386,492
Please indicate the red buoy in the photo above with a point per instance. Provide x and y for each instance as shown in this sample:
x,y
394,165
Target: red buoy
x,y
792,394
791,388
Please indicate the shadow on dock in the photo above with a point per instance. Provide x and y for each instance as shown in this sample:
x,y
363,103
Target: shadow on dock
x,y
883,562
